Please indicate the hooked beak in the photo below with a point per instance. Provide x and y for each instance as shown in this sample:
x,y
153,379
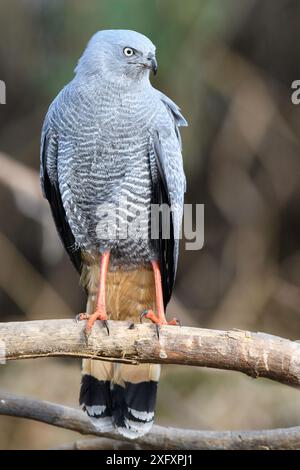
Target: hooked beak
x,y
152,63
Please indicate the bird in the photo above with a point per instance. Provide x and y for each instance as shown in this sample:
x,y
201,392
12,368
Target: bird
x,y
110,144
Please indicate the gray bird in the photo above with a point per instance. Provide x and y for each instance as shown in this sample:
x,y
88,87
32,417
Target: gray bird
x,y
110,152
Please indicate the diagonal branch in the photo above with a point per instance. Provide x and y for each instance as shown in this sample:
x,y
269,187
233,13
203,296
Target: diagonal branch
x,y
255,354
158,438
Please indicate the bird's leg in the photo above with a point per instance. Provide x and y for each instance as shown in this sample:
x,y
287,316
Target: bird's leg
x,y
100,312
160,318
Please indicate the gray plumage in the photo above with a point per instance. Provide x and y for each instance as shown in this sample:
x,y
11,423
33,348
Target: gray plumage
x,y
108,138
99,137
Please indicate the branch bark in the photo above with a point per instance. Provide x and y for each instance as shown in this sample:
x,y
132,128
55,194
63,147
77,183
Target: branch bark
x,y
255,354
159,437
100,443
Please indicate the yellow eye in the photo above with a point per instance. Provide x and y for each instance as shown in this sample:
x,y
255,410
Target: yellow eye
x,y
128,51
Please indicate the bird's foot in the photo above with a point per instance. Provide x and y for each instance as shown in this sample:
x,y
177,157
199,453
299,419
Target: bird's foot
x,y
158,321
99,314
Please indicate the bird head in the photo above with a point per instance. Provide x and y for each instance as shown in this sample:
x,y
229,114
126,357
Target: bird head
x,y
118,56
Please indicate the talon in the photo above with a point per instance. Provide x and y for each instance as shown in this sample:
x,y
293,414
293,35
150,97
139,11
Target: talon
x,y
88,328
150,315
105,324
158,320
81,316
97,315
143,314
131,326
157,327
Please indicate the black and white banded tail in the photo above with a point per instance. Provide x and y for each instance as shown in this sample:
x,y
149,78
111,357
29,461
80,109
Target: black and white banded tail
x,y
120,396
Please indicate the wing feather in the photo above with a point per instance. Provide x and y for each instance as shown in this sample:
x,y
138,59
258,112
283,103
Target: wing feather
x,y
51,191
168,186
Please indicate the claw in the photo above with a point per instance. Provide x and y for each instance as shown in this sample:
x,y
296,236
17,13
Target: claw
x,y
81,316
105,324
88,329
157,319
143,314
131,326
91,319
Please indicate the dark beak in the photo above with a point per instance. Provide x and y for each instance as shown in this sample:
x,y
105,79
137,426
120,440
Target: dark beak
x,y
153,62
154,65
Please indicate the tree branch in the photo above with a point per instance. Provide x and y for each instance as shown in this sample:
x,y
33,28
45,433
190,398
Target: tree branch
x,y
158,438
100,443
255,354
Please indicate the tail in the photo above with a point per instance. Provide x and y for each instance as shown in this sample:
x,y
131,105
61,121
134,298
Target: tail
x,y
116,395
120,396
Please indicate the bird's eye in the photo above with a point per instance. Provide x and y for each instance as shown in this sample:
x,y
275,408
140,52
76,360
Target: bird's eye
x,y
128,51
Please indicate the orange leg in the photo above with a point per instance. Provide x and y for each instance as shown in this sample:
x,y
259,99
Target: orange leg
x,y
100,312
160,318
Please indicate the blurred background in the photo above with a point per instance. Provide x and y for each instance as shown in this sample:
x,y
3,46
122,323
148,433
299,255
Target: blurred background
x,y
229,65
